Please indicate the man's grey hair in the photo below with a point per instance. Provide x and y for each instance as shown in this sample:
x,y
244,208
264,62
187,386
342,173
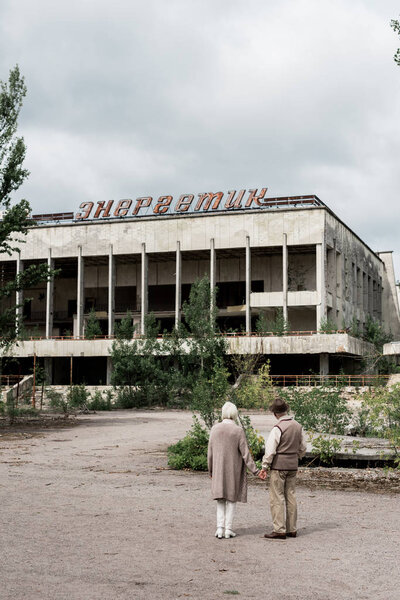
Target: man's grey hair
x,y
229,411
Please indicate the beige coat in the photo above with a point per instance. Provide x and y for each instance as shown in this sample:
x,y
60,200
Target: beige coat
x,y
228,457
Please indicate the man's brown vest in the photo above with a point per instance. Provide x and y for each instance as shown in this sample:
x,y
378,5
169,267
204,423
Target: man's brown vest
x,y
287,452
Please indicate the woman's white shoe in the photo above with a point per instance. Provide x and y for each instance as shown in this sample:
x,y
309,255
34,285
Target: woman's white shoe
x,y
229,534
219,533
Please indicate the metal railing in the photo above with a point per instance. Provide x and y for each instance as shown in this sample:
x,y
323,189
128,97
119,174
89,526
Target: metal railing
x,y
329,380
228,334
310,380
10,380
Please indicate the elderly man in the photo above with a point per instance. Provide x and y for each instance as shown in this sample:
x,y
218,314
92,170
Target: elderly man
x,y
285,445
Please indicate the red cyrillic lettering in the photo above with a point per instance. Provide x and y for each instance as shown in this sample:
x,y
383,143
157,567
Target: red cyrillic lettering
x,y
184,203
100,209
88,206
142,203
210,197
162,205
231,202
123,207
257,199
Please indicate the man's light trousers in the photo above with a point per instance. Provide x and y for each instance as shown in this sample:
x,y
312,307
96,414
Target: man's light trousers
x,y
282,498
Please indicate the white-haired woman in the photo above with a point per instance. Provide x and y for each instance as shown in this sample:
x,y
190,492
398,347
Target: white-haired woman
x,y
228,460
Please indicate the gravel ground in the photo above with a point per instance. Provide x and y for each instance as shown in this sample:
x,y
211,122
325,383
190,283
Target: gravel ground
x,y
91,512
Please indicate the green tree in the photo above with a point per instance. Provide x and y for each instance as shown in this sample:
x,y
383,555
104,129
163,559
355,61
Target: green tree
x,y
15,221
137,372
184,367
125,329
206,345
395,25
206,352
92,328
377,336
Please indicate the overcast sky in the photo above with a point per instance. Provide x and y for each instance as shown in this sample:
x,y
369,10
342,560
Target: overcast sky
x,y
131,98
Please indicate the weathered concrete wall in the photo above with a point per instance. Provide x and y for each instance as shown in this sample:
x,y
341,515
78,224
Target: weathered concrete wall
x,y
390,305
160,234
392,349
350,275
354,275
307,344
20,389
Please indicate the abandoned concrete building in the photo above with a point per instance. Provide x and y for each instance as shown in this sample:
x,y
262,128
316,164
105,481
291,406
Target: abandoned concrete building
x,y
262,254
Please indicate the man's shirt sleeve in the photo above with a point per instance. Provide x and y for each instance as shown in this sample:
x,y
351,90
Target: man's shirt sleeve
x,y
270,447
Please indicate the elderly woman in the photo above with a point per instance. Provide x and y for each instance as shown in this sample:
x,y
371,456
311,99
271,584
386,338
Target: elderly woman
x,y
228,458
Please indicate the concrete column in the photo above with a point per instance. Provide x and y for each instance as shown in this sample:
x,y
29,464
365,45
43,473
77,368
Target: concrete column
x,y
365,292
178,284
354,286
109,370
144,288
80,295
285,277
19,298
48,368
321,282
111,292
49,299
324,364
213,274
370,296
359,289
248,285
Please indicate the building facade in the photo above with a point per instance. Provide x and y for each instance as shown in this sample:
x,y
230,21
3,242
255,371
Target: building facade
x,y
262,254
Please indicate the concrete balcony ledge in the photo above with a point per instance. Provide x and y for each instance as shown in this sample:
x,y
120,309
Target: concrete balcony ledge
x,y
336,343
392,349
273,299
321,343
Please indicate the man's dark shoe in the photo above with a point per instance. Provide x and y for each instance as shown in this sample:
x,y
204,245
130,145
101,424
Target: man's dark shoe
x,y
291,533
275,536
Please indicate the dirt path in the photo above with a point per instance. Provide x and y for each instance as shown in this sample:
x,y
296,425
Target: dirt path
x,y
90,512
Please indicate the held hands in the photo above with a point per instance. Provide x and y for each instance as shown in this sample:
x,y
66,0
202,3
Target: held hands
x,y
263,474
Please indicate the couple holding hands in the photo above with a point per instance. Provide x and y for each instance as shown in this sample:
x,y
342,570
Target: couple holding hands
x,y
229,458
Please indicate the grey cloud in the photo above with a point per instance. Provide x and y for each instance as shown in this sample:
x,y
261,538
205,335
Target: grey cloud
x,y
131,98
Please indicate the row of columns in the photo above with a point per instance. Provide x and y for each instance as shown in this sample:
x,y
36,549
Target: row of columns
x,y
143,286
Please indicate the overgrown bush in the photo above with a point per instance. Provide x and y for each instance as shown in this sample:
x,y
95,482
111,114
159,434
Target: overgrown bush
x,y
101,401
78,397
327,326
254,391
58,401
322,410
375,361
254,440
325,448
129,397
10,410
191,451
277,326
382,414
